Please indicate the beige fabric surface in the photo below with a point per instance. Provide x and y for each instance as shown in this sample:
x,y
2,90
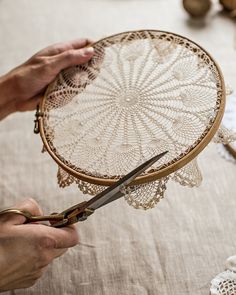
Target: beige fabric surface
x,y
175,248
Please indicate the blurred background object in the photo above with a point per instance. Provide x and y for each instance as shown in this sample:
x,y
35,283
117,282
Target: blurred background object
x,y
229,5
197,8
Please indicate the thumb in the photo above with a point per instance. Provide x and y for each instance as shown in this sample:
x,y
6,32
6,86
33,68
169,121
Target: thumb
x,y
29,205
71,57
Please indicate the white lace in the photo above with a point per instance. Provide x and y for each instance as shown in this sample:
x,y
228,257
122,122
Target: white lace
x,y
225,282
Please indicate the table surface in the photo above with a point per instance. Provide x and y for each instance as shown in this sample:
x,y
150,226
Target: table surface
x,y
175,248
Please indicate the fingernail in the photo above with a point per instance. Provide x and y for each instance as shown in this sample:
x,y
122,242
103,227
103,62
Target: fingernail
x,y
88,50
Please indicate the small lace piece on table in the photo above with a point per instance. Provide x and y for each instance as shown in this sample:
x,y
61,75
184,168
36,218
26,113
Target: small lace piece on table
x,y
225,282
230,263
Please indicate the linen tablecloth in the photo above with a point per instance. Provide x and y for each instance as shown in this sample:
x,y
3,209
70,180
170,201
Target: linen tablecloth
x,y
175,248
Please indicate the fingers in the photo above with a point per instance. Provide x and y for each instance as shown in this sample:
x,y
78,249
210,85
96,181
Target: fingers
x,y
59,252
71,57
29,205
65,237
61,47
28,280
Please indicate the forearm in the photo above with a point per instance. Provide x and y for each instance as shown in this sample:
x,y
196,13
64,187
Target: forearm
x,y
3,267
7,95
7,89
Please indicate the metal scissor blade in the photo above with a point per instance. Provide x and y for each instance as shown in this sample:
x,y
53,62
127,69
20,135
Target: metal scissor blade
x,y
114,192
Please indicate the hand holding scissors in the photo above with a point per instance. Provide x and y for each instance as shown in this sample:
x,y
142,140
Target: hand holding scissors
x,y
81,211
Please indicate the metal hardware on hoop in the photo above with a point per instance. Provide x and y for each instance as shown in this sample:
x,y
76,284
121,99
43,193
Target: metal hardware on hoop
x,y
38,114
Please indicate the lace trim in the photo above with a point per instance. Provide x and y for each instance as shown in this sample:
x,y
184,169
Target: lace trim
x,y
225,282
190,175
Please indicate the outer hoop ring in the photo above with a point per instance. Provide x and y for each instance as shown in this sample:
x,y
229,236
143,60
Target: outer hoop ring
x,y
164,171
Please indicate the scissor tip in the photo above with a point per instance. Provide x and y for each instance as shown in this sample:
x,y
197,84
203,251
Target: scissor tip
x,y
161,155
157,157
165,153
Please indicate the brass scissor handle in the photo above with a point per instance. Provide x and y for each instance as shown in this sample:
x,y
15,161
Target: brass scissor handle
x,y
31,218
67,217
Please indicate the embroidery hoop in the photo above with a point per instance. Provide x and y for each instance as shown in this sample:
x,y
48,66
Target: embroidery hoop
x,y
170,49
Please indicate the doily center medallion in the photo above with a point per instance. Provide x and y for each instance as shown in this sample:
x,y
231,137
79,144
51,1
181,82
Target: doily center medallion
x,y
129,98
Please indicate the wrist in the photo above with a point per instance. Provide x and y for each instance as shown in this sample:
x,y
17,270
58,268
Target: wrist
x,y
2,266
7,95
7,89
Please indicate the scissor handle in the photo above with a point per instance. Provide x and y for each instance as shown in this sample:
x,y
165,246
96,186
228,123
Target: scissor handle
x,y
74,214
67,217
30,218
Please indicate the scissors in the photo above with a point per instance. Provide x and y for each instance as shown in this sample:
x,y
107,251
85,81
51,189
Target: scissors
x,y
81,211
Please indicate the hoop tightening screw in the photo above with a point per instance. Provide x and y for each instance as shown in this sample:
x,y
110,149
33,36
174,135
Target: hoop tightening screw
x,y
38,114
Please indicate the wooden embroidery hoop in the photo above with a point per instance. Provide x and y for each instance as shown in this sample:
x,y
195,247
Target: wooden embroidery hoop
x,y
165,171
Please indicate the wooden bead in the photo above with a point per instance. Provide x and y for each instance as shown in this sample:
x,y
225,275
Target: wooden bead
x,y
197,8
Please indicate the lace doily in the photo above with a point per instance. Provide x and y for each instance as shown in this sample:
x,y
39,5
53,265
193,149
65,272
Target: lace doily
x,y
225,282
143,92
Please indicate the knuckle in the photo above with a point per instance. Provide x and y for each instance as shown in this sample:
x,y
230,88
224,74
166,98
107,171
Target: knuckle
x,y
40,60
32,201
57,48
69,54
46,64
40,64
32,206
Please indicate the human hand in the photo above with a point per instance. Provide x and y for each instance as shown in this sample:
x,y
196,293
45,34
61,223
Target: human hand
x,y
27,249
21,88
